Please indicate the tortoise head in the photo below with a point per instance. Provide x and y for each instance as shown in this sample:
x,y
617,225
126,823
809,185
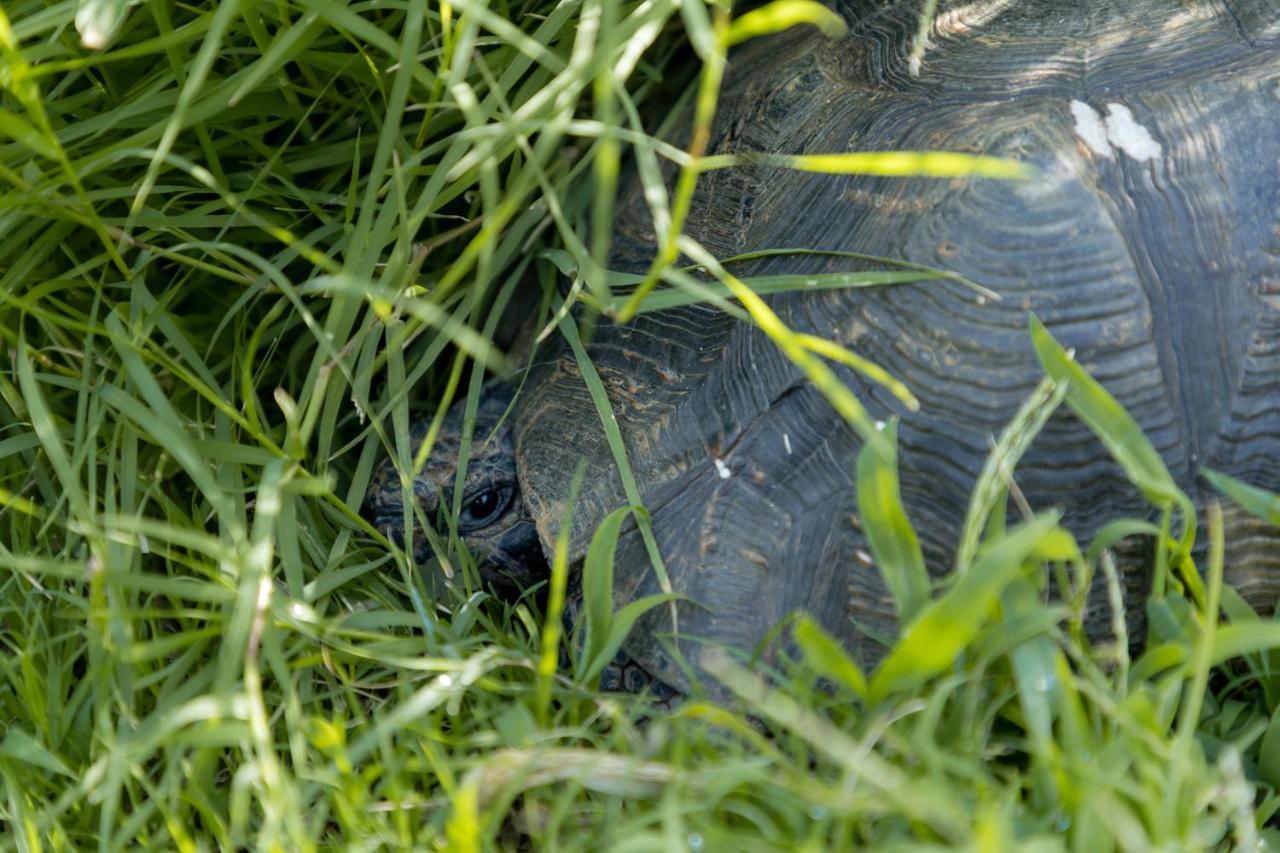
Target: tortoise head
x,y
493,519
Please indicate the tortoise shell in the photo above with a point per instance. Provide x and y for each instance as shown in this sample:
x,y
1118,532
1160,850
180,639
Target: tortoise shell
x,y
1149,242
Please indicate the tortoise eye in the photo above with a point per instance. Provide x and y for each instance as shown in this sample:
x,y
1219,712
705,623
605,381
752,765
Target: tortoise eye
x,y
483,508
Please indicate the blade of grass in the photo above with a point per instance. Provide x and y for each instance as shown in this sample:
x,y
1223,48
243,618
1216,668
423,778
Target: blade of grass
x,y
929,164
553,627
892,539
1257,502
942,630
997,471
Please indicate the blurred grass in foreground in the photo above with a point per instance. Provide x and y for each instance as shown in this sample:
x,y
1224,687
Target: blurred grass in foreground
x,y
235,238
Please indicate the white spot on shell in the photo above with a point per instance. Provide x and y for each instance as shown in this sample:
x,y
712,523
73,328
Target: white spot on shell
x,y
1129,136
786,442
1090,129
1118,130
722,469
863,557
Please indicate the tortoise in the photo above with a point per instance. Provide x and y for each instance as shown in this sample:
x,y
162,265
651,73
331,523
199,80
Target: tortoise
x,y
1148,243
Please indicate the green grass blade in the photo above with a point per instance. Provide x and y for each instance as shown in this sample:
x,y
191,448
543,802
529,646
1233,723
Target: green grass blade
x,y
1238,640
1115,427
597,581
620,627
553,628
662,300
825,654
1257,502
843,400
892,539
997,472
931,164
20,131
942,631
1108,419
784,14
221,20
595,386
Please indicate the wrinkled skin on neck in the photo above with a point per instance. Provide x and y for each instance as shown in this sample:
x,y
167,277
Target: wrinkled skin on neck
x,y
493,520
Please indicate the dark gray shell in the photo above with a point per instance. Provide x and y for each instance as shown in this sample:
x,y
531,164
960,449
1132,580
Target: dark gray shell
x,y
1149,243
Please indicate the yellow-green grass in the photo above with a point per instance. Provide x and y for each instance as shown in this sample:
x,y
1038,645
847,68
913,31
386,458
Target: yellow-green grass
x,y
243,245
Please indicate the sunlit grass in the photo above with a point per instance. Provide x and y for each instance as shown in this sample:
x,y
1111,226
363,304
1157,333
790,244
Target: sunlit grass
x,y
245,245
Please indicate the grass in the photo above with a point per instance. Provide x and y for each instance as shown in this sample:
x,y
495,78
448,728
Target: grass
x,y
244,244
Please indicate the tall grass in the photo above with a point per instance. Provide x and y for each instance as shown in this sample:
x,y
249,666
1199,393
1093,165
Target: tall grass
x,y
242,245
